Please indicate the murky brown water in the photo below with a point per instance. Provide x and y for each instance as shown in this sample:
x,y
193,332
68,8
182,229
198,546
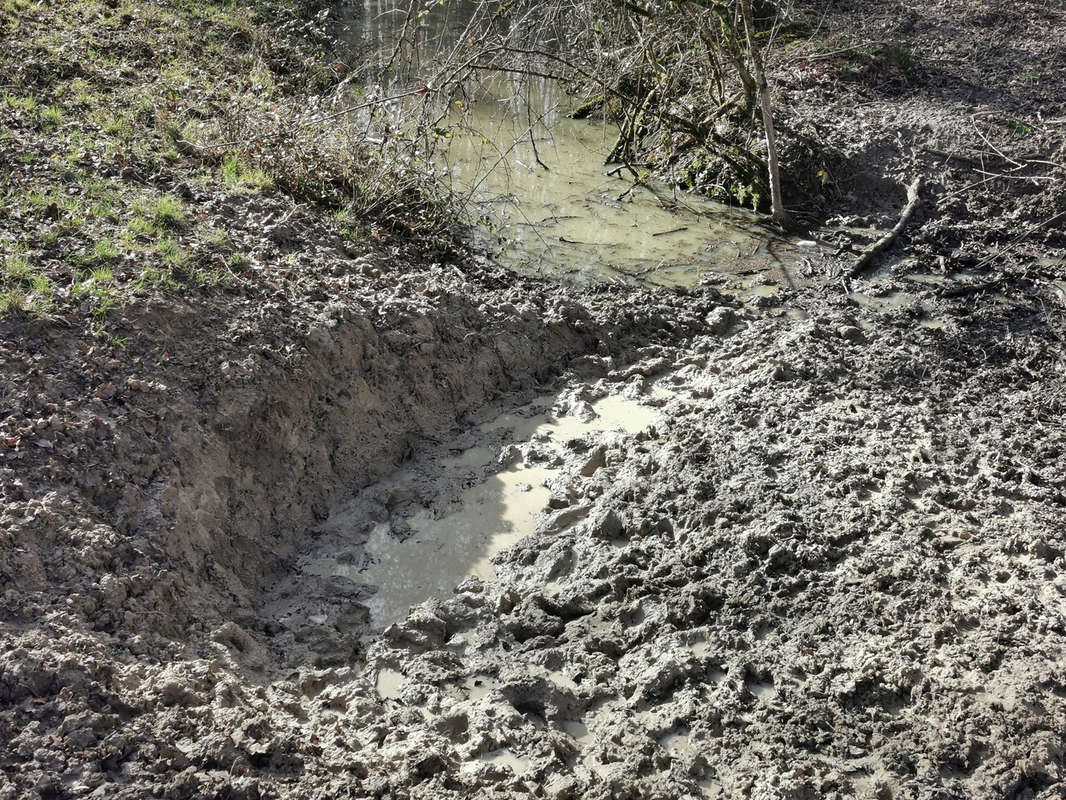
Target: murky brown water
x,y
495,512
537,178
576,219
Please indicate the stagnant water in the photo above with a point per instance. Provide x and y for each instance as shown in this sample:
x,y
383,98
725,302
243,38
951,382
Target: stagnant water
x,y
495,511
538,180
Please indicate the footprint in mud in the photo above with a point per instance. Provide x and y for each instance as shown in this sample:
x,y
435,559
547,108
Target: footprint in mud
x,y
760,686
500,758
474,688
578,731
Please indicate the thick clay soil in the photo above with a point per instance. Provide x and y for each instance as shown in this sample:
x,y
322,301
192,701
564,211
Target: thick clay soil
x,y
832,565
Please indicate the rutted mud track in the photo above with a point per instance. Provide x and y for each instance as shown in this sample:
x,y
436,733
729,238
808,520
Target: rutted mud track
x,y
832,566
149,501
834,569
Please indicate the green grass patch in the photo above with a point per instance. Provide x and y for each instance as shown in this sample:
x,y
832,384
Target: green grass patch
x,y
22,288
242,178
50,118
12,300
97,284
1016,126
348,223
102,253
27,105
168,213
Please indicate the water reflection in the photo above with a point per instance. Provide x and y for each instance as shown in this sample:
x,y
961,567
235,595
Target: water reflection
x,y
440,553
493,514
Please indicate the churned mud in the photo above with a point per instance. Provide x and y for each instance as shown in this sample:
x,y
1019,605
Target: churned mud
x,y
813,570
395,522
762,557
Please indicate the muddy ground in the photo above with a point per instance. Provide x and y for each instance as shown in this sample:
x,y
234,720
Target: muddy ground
x,y
832,564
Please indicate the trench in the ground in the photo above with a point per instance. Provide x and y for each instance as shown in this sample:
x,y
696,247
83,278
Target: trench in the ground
x,y
442,518
421,531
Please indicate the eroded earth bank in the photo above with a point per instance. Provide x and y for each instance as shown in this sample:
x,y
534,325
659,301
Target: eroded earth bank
x,y
375,517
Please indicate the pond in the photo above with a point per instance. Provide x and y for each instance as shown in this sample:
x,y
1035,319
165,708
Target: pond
x,y
536,179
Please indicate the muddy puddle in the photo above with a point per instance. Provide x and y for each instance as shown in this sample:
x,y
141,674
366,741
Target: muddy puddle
x,y
482,495
575,218
893,301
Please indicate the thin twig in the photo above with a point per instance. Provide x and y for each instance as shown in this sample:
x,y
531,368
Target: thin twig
x,y
1018,239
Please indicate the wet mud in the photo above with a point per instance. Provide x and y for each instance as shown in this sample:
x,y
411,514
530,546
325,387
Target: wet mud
x,y
437,529
765,557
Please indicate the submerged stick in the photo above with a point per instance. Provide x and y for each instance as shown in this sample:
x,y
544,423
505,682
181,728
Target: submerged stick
x,y
674,230
882,244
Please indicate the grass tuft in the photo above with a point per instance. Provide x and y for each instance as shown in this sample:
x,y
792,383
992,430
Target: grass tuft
x,y
169,213
242,178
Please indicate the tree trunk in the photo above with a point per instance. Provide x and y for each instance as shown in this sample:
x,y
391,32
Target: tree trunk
x,y
777,205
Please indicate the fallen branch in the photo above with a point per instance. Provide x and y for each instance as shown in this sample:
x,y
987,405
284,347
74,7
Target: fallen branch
x,y
1018,239
588,108
673,230
617,170
886,241
983,159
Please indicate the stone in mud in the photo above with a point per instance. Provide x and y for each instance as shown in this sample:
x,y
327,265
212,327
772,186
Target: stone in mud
x,y
176,693
531,621
507,600
421,630
564,518
851,333
559,499
721,320
596,460
82,737
606,525
562,787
